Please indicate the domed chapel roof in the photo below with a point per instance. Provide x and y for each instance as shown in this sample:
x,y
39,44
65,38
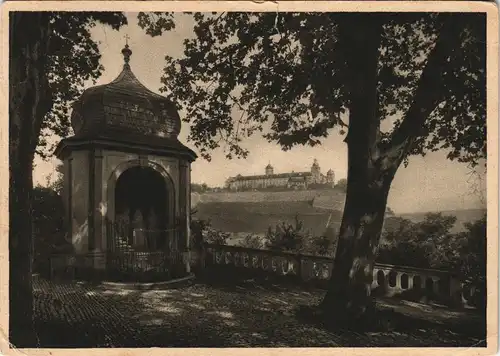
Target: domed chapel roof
x,y
126,110
125,104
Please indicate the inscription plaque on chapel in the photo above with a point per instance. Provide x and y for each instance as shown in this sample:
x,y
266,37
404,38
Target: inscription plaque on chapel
x,y
140,119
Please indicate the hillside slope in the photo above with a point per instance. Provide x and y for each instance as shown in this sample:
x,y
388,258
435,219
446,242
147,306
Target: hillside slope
x,y
254,212
331,198
257,217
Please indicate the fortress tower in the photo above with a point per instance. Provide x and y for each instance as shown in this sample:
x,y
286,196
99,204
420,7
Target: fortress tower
x,y
316,171
269,170
330,177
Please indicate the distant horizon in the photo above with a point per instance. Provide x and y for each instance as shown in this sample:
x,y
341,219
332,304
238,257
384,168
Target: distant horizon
x,y
396,212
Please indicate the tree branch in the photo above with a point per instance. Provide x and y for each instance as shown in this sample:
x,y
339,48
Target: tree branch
x,y
429,91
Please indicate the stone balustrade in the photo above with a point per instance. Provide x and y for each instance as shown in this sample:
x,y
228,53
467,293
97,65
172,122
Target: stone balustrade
x,y
424,285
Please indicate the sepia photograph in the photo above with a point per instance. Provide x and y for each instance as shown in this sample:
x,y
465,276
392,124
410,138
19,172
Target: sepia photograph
x,y
240,179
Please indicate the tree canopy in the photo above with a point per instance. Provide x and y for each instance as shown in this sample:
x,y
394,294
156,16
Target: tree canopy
x,y
72,61
284,75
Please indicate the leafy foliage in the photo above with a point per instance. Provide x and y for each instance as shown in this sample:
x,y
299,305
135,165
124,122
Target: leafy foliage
x,y
425,244
323,245
287,237
430,244
202,232
73,60
284,75
156,22
55,181
214,236
293,238
48,226
342,184
252,241
470,258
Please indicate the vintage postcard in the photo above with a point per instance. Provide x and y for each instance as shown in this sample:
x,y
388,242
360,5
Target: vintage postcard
x,y
215,177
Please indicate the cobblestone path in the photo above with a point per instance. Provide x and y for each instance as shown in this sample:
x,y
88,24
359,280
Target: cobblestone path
x,y
202,315
76,315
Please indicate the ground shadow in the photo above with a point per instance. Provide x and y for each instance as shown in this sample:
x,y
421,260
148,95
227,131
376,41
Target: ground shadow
x,y
212,312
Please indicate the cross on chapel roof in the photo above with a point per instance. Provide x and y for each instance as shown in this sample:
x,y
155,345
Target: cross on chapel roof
x,y
126,51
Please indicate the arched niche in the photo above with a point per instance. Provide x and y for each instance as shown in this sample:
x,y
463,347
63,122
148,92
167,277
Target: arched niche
x,y
127,166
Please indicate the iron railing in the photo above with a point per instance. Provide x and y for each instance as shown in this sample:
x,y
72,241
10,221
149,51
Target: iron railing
x,y
142,254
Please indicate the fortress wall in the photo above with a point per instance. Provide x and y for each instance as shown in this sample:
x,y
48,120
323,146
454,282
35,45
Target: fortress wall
x,y
321,198
256,197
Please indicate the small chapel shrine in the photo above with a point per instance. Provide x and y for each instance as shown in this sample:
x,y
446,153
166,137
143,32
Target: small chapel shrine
x,y
127,181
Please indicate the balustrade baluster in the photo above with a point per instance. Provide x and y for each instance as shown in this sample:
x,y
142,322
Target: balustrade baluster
x,y
255,261
284,265
398,280
263,262
300,267
274,266
315,269
244,258
326,271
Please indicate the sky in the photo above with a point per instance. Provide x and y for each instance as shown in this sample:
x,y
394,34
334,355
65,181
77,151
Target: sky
x,y
430,183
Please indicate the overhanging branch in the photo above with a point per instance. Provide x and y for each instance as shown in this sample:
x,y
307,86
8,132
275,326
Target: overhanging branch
x,y
430,87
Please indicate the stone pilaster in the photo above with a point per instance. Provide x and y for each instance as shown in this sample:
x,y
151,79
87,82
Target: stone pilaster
x,y
184,211
91,200
68,193
98,203
188,217
96,216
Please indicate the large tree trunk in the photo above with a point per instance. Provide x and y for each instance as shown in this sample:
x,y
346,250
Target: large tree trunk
x,y
349,293
373,164
30,100
368,180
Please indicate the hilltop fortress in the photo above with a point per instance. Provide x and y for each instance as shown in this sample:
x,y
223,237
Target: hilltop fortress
x,y
291,180
251,204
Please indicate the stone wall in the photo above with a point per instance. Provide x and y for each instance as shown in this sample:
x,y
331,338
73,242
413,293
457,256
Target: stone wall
x,y
328,198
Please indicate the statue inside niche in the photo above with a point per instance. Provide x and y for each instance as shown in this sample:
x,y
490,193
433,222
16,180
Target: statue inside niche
x,y
138,227
153,230
122,228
